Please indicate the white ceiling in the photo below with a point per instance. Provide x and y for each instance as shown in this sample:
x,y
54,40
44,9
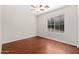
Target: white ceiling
x,y
52,7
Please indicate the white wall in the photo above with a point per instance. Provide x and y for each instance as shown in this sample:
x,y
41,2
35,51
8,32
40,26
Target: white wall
x,y
70,34
78,26
0,28
17,23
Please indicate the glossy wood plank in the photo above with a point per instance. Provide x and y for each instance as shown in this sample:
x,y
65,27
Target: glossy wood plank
x,y
38,45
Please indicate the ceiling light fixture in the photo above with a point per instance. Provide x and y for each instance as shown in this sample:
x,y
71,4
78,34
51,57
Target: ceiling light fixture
x,y
39,8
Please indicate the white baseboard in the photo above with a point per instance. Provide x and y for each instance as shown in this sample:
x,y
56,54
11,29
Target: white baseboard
x,y
43,37
60,40
18,39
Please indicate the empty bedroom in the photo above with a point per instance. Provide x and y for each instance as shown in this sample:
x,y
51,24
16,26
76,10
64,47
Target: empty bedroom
x,y
39,29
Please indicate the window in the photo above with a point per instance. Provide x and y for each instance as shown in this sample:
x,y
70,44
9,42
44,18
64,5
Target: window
x,y
51,24
56,23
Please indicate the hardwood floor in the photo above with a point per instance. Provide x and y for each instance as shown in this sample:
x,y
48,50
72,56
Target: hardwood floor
x,y
38,45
